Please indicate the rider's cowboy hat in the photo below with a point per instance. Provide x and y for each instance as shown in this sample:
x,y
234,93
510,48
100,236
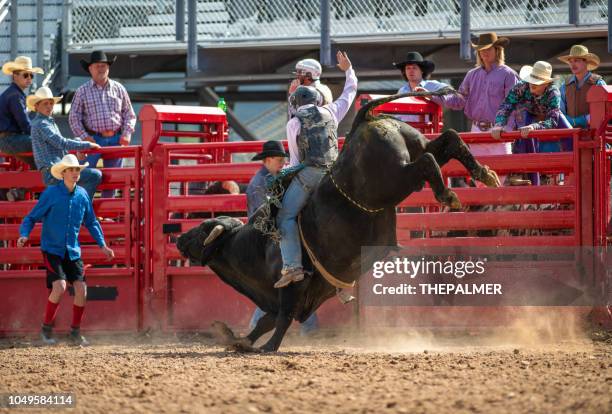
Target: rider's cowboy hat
x,y
41,94
97,56
271,149
415,58
22,64
538,74
69,161
486,40
581,52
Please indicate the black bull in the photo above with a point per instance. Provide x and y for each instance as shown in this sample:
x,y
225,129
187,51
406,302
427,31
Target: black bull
x,y
382,162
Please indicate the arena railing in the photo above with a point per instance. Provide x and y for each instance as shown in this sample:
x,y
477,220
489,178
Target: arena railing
x,y
114,289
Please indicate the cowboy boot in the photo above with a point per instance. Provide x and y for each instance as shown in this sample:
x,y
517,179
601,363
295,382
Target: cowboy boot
x,y
289,275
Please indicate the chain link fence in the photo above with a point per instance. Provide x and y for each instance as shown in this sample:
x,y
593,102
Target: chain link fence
x,y
136,21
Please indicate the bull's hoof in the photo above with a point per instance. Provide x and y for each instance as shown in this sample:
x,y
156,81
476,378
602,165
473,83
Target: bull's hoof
x,y
214,233
225,336
267,349
450,199
489,177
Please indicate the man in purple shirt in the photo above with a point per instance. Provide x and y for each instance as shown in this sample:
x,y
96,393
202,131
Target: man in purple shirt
x,y
483,90
101,111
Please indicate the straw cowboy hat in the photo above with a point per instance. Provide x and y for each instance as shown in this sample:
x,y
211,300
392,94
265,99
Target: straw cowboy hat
x,y
271,149
69,161
41,94
22,64
415,58
538,74
486,40
97,56
581,52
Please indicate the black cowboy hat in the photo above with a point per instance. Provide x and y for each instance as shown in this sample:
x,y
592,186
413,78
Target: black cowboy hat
x,y
271,149
415,58
97,56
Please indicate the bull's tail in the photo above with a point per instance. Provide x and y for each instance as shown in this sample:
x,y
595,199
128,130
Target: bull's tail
x,y
365,113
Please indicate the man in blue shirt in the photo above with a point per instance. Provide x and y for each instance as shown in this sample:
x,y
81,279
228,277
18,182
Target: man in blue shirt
x,y
415,71
14,121
574,90
62,208
50,146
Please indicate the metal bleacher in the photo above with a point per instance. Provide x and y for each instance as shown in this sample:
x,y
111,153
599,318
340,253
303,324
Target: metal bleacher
x,y
150,22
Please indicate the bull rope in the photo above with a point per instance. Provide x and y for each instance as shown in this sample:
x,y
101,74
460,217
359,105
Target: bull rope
x,y
362,207
334,281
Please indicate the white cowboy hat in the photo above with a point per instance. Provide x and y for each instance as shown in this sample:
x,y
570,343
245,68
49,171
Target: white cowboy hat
x,y
21,63
538,74
69,161
41,94
581,52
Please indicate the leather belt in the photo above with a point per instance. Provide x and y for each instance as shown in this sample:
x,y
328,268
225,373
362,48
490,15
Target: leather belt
x,y
483,125
105,134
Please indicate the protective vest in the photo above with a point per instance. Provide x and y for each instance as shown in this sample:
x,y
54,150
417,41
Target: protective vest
x,y
318,139
575,99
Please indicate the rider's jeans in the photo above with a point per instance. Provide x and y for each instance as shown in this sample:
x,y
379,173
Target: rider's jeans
x,y
295,198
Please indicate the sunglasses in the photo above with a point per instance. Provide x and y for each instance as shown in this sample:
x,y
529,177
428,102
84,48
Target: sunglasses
x,y
26,75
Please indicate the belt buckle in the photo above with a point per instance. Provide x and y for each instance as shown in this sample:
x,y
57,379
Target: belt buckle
x,y
484,126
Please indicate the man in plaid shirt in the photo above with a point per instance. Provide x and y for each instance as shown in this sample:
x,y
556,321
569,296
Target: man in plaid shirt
x,y
101,111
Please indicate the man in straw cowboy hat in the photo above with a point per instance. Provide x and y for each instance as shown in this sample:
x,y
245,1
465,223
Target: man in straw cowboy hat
x,y
575,88
483,89
49,145
101,110
535,100
62,208
14,122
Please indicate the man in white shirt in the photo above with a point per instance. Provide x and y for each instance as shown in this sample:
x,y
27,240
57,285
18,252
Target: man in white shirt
x,y
312,137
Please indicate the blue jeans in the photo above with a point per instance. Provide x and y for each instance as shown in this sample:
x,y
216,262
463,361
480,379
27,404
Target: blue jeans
x,y
294,200
90,179
309,325
17,143
93,159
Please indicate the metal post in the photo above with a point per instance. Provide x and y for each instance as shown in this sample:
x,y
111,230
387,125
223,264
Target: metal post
x,y
325,53
66,39
574,12
465,51
192,37
180,20
14,29
609,27
40,33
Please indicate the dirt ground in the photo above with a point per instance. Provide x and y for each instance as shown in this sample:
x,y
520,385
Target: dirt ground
x,y
414,372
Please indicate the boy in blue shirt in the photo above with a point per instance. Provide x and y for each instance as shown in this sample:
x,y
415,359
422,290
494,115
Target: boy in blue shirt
x,y
62,208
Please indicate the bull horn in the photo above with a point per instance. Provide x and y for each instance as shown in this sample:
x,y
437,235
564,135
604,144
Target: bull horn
x,y
215,232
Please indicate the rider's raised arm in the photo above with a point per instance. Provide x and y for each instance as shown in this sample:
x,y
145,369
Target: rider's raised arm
x,y
341,105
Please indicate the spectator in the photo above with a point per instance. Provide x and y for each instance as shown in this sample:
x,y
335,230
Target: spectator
x,y
15,127
483,90
415,71
101,111
49,146
60,245
536,101
574,90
